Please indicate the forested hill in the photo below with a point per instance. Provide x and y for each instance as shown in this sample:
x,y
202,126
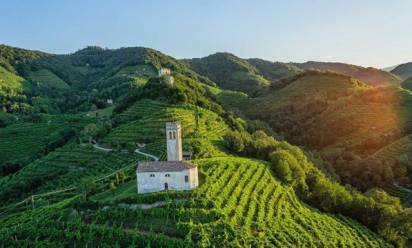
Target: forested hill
x,y
368,75
404,71
35,82
234,73
68,156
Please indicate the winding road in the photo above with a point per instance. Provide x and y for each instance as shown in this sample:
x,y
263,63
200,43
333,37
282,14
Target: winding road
x,y
97,146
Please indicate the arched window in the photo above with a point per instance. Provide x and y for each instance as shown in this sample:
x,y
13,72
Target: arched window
x,y
170,135
174,135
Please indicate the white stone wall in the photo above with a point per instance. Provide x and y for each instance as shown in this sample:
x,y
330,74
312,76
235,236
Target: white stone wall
x,y
176,181
193,178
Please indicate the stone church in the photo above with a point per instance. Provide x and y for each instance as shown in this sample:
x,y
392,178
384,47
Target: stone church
x,y
173,174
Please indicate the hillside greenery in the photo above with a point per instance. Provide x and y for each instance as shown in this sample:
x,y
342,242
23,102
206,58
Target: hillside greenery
x,y
68,155
369,75
230,72
341,120
404,71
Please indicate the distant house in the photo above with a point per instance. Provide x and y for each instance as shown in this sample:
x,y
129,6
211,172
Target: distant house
x,y
164,71
173,174
109,101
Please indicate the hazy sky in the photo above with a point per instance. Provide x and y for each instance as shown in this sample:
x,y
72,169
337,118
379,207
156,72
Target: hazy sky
x,y
370,33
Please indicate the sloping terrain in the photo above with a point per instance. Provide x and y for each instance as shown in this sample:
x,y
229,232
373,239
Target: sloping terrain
x,y
252,209
74,183
404,71
340,118
369,75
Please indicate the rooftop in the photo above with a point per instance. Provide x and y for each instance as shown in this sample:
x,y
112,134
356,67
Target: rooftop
x,y
160,166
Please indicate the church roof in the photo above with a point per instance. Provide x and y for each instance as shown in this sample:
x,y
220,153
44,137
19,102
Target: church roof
x,y
161,166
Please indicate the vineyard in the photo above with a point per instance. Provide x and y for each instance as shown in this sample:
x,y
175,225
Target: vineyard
x,y
144,122
63,168
238,203
47,78
27,140
404,194
261,207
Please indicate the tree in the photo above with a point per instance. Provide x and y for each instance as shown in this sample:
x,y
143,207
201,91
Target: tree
x,y
280,166
235,142
90,131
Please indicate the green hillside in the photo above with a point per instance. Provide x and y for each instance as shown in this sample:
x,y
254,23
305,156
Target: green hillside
x,y
81,81
253,209
47,79
342,120
407,84
369,75
69,178
230,72
202,134
404,71
275,70
23,142
14,59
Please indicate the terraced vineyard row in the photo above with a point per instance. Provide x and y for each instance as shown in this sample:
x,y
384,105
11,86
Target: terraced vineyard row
x,y
238,202
48,78
63,168
24,141
404,194
394,150
147,119
256,203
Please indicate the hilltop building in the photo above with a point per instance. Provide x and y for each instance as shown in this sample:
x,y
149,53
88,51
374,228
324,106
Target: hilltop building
x,y
173,174
166,73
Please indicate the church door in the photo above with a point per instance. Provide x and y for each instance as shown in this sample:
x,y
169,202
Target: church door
x,y
166,186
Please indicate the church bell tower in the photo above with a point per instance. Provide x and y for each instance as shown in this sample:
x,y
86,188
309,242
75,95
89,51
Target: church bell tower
x,y
174,141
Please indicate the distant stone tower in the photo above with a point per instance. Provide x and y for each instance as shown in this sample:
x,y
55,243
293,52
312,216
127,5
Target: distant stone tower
x,y
174,141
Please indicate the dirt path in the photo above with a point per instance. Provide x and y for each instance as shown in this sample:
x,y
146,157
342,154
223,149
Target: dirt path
x,y
102,148
97,146
147,154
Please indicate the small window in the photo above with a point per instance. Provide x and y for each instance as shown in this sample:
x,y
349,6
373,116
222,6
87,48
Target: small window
x,y
174,135
186,179
170,135
167,175
152,175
